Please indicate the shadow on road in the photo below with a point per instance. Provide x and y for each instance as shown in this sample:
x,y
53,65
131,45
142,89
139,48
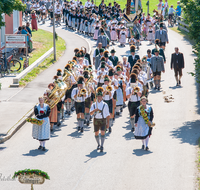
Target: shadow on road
x,y
95,154
2,148
35,152
129,136
76,134
188,133
141,152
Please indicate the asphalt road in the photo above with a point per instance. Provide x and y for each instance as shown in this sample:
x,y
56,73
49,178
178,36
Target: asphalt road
x,y
72,161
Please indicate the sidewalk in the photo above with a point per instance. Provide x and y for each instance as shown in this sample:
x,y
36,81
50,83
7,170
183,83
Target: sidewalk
x,y
15,103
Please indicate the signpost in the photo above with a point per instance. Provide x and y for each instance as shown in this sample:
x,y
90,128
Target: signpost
x,y
16,41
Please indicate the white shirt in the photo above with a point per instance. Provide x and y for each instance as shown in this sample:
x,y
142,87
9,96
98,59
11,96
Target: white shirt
x,y
139,85
85,62
99,105
101,79
78,99
133,98
87,4
43,9
106,96
58,11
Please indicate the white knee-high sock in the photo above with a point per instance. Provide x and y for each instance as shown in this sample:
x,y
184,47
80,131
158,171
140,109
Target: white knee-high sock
x,y
147,141
117,108
143,141
43,143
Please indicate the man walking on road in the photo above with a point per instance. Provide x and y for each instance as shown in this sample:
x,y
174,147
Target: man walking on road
x,y
157,65
101,117
162,36
177,63
132,59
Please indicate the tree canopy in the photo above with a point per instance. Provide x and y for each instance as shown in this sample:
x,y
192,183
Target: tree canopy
x,y
7,7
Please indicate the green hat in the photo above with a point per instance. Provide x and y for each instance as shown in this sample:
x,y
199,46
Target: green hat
x,y
161,24
99,91
59,73
103,66
156,50
80,80
112,51
119,68
106,79
110,73
132,48
101,50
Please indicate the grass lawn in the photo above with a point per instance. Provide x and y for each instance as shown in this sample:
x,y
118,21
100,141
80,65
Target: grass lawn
x,y
152,4
42,42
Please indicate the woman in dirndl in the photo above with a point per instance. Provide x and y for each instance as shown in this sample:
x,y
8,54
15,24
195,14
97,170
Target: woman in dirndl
x,y
33,21
142,124
96,29
42,132
113,33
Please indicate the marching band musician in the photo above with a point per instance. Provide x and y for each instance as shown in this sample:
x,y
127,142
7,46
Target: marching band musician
x,y
119,92
100,74
53,114
100,110
89,89
72,82
109,63
79,102
115,83
133,94
107,97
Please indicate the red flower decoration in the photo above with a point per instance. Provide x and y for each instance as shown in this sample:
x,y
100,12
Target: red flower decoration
x,y
41,112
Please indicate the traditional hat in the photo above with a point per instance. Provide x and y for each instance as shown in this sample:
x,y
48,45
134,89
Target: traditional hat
x,y
161,24
132,48
118,68
101,30
112,51
101,50
68,66
111,72
106,78
143,98
55,77
103,65
99,91
80,80
136,71
103,59
105,54
157,41
133,78
59,71
156,50
76,50
86,74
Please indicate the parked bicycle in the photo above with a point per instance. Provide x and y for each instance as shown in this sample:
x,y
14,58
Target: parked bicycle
x,y
9,64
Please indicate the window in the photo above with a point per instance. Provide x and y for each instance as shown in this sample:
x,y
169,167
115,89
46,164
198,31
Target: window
x,y
2,32
15,21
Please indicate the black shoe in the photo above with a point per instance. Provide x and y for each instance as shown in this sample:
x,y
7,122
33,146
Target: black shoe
x,y
143,147
81,129
88,123
155,88
179,82
147,148
69,113
98,147
84,121
43,148
121,109
110,130
72,109
117,113
66,112
51,130
114,118
90,118
159,88
133,129
58,124
40,147
101,149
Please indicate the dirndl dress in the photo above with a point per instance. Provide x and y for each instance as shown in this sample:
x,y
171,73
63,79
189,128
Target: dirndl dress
x,y
142,131
122,39
42,132
119,94
113,33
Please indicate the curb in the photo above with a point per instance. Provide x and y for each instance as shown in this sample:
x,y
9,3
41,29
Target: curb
x,y
31,67
14,129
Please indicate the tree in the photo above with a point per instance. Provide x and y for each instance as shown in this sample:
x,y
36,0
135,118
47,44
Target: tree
x,y
7,7
191,10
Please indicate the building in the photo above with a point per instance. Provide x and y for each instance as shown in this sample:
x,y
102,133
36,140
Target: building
x,y
11,26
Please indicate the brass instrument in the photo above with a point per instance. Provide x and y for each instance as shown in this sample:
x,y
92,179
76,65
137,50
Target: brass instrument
x,y
108,89
56,94
83,91
88,82
136,89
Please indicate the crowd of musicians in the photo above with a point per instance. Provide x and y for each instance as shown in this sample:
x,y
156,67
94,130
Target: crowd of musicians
x,y
102,91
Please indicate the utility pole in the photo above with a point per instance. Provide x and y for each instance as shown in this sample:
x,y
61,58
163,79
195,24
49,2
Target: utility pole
x,y
54,32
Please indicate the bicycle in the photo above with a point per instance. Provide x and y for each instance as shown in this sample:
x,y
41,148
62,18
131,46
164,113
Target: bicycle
x,y
9,64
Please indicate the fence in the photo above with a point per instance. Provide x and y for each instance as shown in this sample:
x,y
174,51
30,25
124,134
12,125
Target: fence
x,y
182,25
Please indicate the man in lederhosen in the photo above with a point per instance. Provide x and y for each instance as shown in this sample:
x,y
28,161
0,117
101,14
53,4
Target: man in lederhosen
x,y
79,102
101,117
113,58
177,62
133,97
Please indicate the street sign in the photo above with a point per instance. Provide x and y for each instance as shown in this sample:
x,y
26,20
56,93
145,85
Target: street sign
x,y
31,179
129,24
16,40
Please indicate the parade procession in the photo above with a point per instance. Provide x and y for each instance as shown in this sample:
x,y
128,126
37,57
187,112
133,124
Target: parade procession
x,y
104,98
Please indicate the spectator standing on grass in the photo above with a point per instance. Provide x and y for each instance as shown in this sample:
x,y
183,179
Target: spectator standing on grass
x,y
178,9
